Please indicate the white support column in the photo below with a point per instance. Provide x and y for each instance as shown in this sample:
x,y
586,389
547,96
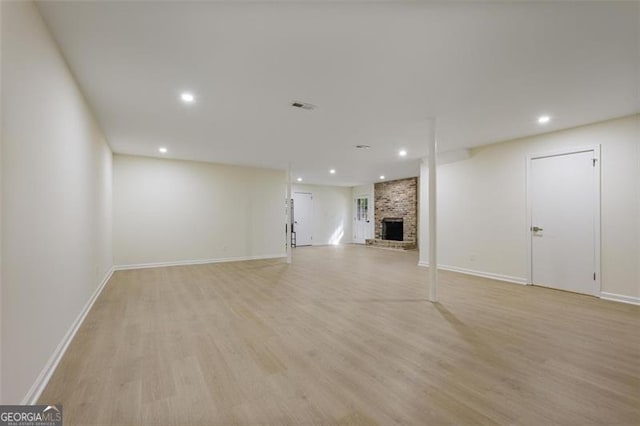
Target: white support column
x,y
433,237
288,206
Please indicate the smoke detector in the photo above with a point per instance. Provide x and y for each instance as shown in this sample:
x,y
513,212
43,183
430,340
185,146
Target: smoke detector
x,y
303,105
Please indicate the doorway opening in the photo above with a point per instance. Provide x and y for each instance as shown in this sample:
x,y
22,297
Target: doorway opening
x,y
362,220
303,218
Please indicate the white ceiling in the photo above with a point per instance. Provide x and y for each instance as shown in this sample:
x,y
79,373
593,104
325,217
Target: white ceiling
x,y
376,72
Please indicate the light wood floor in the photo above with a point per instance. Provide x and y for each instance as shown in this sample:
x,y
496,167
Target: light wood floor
x,y
345,336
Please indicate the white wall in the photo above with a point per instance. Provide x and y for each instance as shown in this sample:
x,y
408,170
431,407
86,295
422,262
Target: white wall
x,y
637,180
1,137
368,189
56,200
170,211
482,200
331,213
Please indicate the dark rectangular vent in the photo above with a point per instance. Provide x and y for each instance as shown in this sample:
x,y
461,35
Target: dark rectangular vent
x,y
303,105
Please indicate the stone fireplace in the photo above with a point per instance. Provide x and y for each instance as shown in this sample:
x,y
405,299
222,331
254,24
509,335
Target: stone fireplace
x,y
396,213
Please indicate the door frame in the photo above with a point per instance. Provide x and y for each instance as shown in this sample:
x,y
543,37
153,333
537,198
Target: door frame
x,y
596,205
371,223
311,212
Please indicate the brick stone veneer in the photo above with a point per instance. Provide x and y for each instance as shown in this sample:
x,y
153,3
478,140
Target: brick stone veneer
x,y
397,198
399,245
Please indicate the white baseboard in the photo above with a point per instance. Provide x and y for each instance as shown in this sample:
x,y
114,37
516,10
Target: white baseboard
x,y
603,295
620,298
491,275
196,262
41,381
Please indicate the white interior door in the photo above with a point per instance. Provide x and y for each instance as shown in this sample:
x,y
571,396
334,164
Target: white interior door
x,y
303,218
564,205
362,219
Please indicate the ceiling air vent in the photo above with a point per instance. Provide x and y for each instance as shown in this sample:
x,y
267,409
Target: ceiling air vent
x,y
303,105
363,146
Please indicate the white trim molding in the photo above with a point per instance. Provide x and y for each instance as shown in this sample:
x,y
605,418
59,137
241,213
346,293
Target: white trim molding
x,y
490,275
523,281
32,396
197,262
620,298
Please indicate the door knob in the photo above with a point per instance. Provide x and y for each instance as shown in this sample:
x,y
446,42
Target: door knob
x,y
536,229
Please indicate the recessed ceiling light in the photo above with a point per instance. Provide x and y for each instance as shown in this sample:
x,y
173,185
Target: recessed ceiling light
x,y
162,150
187,97
299,179
544,119
402,153
332,171
381,177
